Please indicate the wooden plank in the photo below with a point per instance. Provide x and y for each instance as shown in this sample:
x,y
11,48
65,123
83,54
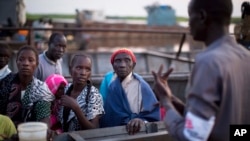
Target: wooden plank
x,y
120,133
159,136
102,132
76,137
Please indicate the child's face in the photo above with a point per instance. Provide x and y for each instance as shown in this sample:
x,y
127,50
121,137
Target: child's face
x,y
60,91
81,70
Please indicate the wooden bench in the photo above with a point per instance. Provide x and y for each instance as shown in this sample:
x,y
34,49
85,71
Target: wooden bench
x,y
153,131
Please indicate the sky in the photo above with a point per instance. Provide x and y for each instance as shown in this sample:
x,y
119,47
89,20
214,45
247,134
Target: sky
x,y
111,7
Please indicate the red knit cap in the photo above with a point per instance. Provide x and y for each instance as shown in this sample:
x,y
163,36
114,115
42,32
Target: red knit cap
x,y
123,50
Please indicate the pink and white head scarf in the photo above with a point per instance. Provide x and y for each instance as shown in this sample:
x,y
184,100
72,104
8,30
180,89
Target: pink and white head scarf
x,y
54,81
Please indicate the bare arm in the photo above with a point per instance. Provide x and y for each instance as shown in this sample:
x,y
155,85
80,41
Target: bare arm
x,y
70,102
174,120
178,104
197,123
85,123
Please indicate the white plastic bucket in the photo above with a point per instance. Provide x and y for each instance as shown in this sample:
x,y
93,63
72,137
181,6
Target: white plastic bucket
x,y
32,131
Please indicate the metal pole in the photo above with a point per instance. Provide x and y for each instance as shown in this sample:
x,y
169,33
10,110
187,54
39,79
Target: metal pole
x,y
181,44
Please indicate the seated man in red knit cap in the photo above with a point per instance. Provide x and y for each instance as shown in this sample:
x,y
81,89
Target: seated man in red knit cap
x,y
130,100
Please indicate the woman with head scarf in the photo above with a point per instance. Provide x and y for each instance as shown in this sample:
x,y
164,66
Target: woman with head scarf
x,y
129,100
56,84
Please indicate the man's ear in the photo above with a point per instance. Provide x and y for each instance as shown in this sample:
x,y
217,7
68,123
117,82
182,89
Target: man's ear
x,y
50,45
203,16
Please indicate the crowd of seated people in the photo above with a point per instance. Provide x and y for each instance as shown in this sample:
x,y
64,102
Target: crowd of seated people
x,y
72,106
214,100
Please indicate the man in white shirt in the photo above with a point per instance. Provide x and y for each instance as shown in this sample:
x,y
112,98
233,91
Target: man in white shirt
x,y
50,62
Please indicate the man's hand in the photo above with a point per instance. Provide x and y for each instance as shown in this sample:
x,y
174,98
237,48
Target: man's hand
x,y
161,87
134,126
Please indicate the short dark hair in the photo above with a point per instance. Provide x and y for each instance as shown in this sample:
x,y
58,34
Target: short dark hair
x,y
54,35
5,47
219,11
27,47
79,55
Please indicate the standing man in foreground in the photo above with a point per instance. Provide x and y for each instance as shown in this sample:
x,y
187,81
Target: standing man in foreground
x,y
219,87
50,62
130,100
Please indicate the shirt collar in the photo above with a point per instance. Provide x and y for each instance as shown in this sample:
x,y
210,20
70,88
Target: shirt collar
x,y
128,79
216,43
4,70
47,59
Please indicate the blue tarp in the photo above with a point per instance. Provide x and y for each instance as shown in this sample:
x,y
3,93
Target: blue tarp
x,y
161,15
